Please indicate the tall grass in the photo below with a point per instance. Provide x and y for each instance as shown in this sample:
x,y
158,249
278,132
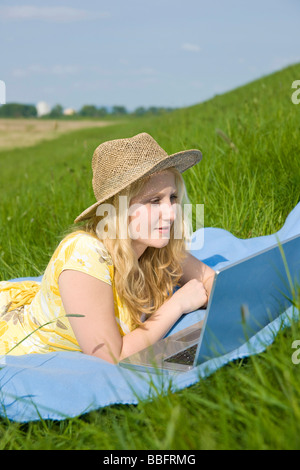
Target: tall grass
x,y
248,181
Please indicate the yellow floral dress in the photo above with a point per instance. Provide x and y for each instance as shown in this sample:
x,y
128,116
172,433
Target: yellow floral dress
x,y
32,316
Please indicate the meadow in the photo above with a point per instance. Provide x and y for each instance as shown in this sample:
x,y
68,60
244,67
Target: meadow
x,y
28,132
248,181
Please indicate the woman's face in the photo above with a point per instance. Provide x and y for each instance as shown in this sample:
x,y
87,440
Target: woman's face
x,y
152,212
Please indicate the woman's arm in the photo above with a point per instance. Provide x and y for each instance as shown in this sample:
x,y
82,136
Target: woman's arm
x,y
97,331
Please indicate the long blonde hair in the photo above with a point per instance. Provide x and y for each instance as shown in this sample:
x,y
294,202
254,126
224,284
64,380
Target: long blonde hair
x,y
143,284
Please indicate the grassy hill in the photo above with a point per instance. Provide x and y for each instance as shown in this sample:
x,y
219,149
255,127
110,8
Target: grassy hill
x,y
249,182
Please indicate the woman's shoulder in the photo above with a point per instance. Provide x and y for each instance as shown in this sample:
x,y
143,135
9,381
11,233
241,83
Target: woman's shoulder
x,y
85,243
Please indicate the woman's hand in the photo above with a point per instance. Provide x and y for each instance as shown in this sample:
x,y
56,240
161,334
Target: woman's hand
x,y
191,296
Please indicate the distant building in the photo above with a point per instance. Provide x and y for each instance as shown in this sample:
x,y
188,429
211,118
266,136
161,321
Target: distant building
x,y
42,108
69,112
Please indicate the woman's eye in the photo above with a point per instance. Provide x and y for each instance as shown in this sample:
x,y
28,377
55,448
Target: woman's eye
x,y
156,201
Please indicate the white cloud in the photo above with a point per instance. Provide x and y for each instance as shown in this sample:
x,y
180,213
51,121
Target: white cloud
x,y
64,69
55,14
40,70
187,46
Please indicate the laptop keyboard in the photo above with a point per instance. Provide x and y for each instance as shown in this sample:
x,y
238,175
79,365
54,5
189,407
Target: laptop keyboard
x,y
186,356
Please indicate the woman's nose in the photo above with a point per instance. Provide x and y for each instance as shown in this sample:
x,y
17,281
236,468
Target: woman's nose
x,y
168,212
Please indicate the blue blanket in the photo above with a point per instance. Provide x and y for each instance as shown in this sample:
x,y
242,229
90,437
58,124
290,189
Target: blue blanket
x,y
59,385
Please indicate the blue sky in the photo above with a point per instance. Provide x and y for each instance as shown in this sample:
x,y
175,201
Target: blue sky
x,y
141,52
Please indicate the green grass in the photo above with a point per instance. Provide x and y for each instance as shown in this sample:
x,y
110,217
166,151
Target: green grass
x,y
248,181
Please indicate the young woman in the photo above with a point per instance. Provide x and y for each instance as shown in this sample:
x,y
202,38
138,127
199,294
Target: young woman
x,y
109,289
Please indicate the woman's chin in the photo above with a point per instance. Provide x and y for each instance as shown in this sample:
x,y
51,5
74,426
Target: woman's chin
x,y
160,242
154,242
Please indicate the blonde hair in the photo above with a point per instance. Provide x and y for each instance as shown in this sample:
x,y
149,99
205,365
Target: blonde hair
x,y
143,284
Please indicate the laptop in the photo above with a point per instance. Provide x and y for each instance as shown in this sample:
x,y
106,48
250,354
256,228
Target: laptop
x,y
245,297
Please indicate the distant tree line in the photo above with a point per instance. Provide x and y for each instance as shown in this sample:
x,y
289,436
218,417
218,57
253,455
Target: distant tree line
x,y
17,110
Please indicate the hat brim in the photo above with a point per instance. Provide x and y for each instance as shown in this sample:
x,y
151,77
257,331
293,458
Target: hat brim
x,y
181,160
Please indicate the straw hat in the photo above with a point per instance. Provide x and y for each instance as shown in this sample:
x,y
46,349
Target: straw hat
x,y
118,163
